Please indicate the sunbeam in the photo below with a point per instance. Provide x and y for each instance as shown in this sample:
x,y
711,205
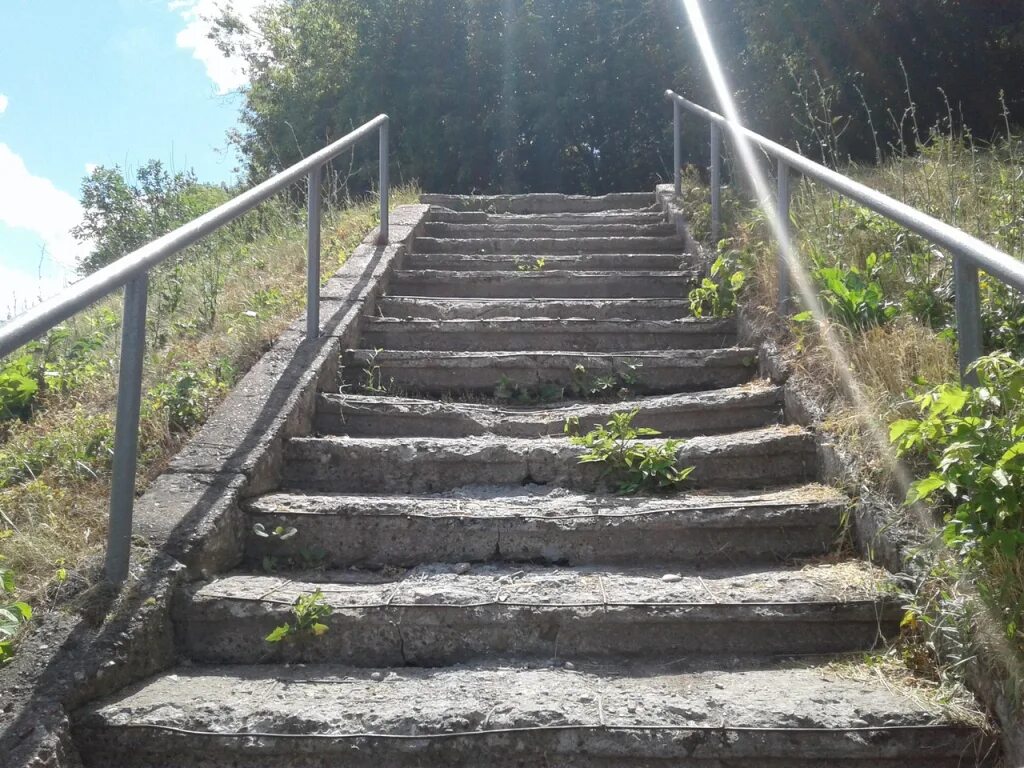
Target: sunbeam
x,y
798,274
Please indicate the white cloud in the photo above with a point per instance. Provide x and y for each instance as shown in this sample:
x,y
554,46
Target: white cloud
x,y
35,204
227,73
4,101
21,290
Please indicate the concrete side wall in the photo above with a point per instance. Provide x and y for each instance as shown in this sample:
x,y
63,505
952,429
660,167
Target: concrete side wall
x,y
188,524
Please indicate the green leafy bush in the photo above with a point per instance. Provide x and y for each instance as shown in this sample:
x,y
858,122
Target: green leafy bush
x,y
717,294
188,394
973,440
18,389
631,464
13,613
854,297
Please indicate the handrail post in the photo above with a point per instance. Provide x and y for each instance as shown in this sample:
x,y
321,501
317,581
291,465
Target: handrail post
x,y
782,206
313,222
385,183
677,147
716,184
968,317
126,429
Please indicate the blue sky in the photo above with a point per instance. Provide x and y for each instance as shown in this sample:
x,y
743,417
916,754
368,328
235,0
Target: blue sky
x,y
99,82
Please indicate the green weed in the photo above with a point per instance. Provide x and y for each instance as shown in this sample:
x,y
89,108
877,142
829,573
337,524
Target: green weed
x,y
308,616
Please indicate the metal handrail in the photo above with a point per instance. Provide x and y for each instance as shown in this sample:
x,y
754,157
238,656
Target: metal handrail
x,y
969,253
132,272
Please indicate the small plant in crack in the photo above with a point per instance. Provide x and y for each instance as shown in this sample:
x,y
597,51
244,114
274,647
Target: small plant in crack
x,y
536,265
511,392
280,533
630,464
308,616
619,384
373,380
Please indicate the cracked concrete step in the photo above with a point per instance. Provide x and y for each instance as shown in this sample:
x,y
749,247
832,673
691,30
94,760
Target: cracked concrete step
x,y
682,415
500,262
545,284
508,716
757,458
479,373
536,335
436,615
426,308
598,218
543,203
441,229
534,524
553,246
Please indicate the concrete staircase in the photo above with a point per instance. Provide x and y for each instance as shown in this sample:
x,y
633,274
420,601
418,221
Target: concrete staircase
x,y
493,604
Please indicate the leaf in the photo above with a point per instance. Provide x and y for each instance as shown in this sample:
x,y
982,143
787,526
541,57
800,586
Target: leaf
x,y
924,488
899,428
318,629
279,634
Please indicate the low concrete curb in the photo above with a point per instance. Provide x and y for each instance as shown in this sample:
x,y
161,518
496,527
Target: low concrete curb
x,y
189,520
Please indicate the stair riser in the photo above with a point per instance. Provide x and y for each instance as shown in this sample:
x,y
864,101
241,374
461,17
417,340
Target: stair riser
x,y
600,219
440,377
226,632
543,203
338,415
597,262
516,338
538,245
358,538
348,466
593,747
542,285
552,231
482,309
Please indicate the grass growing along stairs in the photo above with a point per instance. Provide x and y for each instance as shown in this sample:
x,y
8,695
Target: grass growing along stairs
x,y
488,599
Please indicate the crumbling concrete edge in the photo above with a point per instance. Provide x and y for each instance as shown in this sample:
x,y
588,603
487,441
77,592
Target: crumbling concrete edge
x,y
876,536
189,523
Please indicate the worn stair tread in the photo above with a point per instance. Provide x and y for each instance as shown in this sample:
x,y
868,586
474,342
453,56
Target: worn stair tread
x,y
434,308
756,404
526,334
448,373
449,613
541,263
503,714
534,229
546,283
847,582
753,458
547,525
543,202
548,245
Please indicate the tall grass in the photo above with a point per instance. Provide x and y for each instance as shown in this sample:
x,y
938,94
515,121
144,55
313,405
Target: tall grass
x,y
213,312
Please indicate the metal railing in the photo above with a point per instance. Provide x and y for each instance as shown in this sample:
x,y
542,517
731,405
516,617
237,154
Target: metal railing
x,y
132,272
968,252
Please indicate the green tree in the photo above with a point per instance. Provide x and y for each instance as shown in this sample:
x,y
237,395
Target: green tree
x,y
124,213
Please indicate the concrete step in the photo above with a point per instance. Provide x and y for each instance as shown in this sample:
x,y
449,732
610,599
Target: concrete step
x,y
332,464
543,203
439,215
594,262
534,524
506,715
531,229
436,615
533,335
543,284
538,373
684,415
552,246
492,309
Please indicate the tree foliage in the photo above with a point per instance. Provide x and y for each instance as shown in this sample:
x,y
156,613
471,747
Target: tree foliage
x,y
518,95
124,213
